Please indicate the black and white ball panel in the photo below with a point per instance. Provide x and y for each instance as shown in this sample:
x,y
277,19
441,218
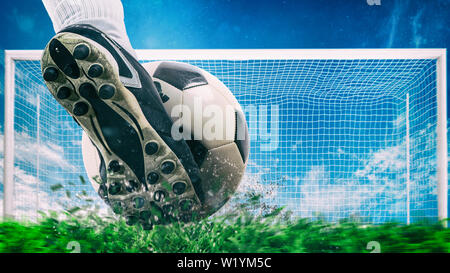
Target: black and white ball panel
x,y
224,91
206,78
198,87
222,161
180,75
222,126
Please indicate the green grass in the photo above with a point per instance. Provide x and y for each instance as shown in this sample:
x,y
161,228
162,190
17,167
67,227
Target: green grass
x,y
239,232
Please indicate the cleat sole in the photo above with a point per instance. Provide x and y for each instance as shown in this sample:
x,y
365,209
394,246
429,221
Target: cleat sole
x,y
140,164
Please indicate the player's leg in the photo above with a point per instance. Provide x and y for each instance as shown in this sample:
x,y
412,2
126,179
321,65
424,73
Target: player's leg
x,y
105,15
107,91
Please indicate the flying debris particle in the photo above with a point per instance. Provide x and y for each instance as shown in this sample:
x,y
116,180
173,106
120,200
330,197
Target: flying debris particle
x,y
82,180
56,187
73,210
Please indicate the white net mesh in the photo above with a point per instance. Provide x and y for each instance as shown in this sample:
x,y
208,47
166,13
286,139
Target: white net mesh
x,y
328,137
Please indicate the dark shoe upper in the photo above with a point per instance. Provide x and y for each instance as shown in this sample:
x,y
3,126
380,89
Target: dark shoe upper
x,y
136,79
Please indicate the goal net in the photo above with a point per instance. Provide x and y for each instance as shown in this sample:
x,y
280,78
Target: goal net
x,y
334,134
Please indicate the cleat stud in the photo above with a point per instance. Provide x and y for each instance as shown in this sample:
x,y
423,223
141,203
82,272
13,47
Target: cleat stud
x,y
159,196
81,52
87,90
115,188
96,70
152,178
186,205
63,93
179,188
107,91
114,166
151,148
51,74
167,167
131,220
80,109
138,202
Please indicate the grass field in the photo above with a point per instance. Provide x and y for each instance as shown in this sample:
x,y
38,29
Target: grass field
x,y
240,231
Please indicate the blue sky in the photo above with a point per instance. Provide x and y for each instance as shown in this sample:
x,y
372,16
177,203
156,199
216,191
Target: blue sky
x,y
181,24
253,24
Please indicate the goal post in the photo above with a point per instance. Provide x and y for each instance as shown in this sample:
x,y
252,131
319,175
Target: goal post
x,y
442,148
344,132
11,56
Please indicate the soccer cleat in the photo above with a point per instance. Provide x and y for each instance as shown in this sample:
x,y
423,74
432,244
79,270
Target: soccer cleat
x,y
114,100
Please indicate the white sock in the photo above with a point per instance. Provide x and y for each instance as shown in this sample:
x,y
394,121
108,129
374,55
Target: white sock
x,y
106,15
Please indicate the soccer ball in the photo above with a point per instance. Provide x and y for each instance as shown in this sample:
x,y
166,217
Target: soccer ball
x,y
207,115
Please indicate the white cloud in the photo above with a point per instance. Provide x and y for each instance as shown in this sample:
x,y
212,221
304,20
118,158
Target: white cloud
x,y
318,193
26,198
392,159
343,198
27,150
26,183
378,188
